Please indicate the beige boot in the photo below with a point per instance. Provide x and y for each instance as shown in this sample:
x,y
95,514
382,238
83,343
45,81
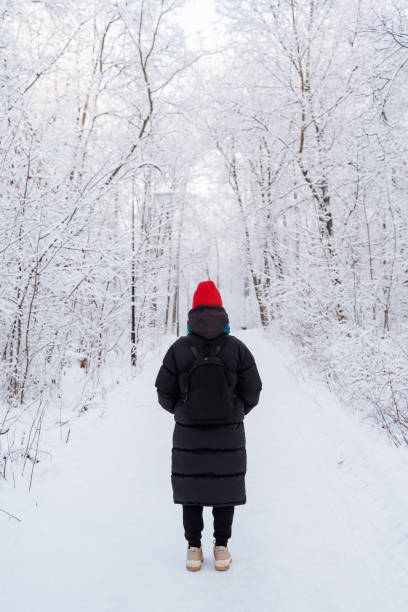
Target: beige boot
x,y
222,558
194,558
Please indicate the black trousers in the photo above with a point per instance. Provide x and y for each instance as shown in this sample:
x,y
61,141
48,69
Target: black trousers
x,y
193,524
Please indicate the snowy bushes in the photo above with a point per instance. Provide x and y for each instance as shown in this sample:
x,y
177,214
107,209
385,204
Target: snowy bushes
x,y
368,372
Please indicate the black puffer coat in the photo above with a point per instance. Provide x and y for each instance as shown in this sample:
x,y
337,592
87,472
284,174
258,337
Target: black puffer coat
x,y
208,461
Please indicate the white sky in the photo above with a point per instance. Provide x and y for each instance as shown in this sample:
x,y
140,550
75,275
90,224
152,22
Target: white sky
x,y
203,30
198,18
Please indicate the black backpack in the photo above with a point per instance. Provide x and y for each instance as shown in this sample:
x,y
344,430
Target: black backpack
x,y
208,393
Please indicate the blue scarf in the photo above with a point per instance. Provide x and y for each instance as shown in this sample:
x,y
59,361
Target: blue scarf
x,y
226,329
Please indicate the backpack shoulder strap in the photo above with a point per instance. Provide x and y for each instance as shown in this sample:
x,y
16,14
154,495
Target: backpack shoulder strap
x,y
194,350
194,346
216,351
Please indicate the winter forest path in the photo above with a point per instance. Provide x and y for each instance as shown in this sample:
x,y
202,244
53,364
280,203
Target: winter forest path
x,y
325,527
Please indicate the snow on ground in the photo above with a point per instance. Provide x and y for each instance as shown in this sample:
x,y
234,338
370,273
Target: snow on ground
x,y
324,528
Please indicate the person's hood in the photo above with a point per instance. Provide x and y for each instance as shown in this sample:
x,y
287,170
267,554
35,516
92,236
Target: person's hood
x,y
207,321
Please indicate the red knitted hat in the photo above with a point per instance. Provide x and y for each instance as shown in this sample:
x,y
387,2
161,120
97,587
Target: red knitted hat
x,y
207,293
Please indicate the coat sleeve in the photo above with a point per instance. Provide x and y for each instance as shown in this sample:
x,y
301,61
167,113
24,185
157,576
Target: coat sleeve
x,y
167,382
249,383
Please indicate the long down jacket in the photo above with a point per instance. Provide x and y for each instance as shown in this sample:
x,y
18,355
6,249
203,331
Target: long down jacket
x,y
208,461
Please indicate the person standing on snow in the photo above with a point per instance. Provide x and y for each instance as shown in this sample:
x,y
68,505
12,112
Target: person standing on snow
x,y
209,381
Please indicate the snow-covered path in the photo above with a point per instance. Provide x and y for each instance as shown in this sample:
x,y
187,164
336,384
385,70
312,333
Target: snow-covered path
x,y
325,528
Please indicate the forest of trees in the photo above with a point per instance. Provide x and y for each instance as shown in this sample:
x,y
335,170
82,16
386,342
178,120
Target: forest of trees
x,y
133,166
